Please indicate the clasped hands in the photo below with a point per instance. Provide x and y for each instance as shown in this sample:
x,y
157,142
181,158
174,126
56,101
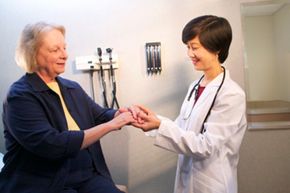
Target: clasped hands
x,y
138,116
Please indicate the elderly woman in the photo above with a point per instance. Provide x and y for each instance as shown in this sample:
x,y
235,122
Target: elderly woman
x,y
52,127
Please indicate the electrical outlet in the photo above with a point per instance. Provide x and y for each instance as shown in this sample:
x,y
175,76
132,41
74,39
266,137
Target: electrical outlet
x,y
92,62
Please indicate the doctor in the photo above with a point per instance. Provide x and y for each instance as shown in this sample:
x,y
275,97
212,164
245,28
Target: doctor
x,y
209,130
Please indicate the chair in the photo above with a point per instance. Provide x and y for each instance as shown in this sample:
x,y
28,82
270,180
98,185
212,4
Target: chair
x,y
122,188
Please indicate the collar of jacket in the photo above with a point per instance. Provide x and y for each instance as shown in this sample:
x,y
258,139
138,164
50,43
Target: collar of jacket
x,y
39,85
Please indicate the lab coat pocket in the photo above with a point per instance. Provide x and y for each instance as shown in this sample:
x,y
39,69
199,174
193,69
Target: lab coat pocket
x,y
185,165
202,183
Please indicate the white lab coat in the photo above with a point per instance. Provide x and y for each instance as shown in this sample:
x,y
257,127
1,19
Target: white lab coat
x,y
207,163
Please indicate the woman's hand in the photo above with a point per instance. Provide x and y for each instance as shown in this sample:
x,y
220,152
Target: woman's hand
x,y
144,118
148,119
134,110
121,119
95,133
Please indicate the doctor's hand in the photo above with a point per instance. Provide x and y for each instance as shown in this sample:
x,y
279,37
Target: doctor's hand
x,y
149,120
134,110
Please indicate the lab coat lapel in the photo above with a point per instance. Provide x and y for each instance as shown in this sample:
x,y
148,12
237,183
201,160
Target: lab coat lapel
x,y
209,92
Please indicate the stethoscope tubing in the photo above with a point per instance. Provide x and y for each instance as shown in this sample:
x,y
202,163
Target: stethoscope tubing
x,y
213,101
195,90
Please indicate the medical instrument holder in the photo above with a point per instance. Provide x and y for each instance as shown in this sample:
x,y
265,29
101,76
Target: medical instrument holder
x,y
100,62
153,57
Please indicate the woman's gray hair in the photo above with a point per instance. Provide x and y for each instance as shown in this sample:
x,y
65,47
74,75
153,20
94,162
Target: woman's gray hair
x,y
29,42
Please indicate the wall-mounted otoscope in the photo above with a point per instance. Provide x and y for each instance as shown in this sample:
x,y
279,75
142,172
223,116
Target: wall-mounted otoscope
x,y
102,78
112,73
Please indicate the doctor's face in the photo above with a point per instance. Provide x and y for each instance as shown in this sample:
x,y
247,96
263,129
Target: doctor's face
x,y
202,59
51,55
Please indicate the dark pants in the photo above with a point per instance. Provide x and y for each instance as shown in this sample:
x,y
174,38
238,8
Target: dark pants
x,y
83,178
96,184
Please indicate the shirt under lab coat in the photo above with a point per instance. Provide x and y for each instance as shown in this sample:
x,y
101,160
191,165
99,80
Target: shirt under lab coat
x,y
207,163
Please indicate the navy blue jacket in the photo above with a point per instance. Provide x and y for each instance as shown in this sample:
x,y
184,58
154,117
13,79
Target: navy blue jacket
x,y
39,145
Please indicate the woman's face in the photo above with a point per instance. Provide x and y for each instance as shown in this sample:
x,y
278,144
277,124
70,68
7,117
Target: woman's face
x,y
51,55
202,59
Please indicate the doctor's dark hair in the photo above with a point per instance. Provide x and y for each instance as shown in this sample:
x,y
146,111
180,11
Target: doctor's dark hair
x,y
214,33
29,43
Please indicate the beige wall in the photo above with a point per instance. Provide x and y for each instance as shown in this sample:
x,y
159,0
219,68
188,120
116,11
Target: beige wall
x,y
261,69
264,156
126,25
282,44
268,55
264,162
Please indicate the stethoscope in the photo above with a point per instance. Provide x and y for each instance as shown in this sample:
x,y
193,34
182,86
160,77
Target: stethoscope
x,y
195,91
